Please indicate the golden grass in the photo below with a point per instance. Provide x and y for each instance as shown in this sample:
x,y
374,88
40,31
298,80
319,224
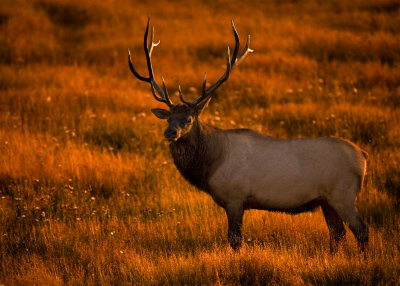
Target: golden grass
x,y
88,191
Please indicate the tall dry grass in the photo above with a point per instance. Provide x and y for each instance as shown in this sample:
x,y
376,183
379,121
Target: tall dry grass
x,y
88,191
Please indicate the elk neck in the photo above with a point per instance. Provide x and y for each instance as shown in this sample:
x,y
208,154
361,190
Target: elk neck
x,y
198,154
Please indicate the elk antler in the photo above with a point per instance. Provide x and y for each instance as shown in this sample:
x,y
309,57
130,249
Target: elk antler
x,y
229,66
154,86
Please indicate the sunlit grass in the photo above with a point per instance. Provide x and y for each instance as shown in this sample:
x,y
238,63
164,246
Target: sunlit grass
x,y
88,190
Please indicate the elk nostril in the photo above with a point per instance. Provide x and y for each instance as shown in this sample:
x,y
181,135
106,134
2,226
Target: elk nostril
x,y
170,133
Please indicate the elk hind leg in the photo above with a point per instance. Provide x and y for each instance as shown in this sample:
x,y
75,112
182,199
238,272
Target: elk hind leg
x,y
356,224
344,206
337,232
359,229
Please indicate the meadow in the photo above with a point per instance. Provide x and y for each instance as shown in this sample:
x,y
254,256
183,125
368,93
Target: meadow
x,y
88,190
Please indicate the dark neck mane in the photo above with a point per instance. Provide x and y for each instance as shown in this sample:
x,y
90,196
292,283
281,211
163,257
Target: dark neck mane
x,y
197,154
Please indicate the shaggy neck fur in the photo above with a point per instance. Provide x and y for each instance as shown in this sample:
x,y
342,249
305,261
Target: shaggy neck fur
x,y
198,154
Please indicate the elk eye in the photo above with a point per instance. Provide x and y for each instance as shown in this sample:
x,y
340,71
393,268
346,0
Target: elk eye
x,y
189,120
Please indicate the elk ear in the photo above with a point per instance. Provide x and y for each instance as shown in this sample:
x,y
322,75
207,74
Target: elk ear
x,y
161,113
202,105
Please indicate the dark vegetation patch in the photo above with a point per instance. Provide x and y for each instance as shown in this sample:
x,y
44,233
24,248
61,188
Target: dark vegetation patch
x,y
71,31
389,180
370,16
390,80
7,56
66,15
362,22
344,275
369,132
392,184
3,18
102,189
239,97
388,7
7,183
112,137
208,52
347,47
392,100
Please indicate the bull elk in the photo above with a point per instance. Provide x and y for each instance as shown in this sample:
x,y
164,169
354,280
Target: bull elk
x,y
242,169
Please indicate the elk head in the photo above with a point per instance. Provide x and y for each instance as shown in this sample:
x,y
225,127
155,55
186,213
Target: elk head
x,y
182,117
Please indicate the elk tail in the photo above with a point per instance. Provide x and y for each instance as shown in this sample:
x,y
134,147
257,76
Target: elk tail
x,y
365,154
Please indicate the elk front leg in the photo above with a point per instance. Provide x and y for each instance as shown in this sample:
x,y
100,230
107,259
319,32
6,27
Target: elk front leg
x,y
234,213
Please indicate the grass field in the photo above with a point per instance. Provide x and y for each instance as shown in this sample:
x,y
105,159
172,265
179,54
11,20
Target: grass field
x,y
88,190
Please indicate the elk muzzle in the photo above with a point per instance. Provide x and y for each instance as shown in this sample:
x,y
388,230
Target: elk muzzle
x,y
171,134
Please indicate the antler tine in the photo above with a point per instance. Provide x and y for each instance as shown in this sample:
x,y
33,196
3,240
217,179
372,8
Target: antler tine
x,y
204,84
230,63
182,99
134,71
160,99
237,44
246,51
197,100
205,93
151,44
221,80
164,87
148,48
166,96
